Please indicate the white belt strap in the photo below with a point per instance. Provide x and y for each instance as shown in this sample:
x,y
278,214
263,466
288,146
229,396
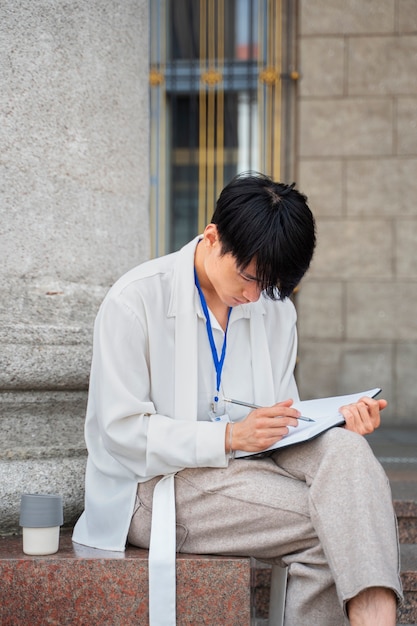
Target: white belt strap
x,y
162,553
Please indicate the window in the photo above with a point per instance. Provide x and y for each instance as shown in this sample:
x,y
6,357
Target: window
x,y
216,84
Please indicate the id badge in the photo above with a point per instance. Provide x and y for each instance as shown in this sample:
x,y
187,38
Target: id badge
x,y
219,418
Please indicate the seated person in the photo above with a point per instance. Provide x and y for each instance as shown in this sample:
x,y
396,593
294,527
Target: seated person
x,y
176,335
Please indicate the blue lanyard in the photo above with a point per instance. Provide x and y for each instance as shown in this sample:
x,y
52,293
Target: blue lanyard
x,y
218,363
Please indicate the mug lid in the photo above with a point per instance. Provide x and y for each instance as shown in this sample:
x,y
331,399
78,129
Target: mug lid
x,y
41,510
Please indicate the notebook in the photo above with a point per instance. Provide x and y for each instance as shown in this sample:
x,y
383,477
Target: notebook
x,y
324,412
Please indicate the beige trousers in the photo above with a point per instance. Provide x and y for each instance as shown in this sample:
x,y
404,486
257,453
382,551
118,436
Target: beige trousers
x,y
323,508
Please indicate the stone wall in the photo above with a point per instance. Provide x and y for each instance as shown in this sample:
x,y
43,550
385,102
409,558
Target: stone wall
x,y
357,162
74,215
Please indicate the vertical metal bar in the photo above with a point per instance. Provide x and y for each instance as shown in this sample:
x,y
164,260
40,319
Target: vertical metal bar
x,y
269,93
211,97
202,181
158,124
163,209
251,8
220,102
269,88
153,132
276,162
261,87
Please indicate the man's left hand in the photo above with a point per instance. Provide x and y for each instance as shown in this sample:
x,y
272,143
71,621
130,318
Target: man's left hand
x,y
364,416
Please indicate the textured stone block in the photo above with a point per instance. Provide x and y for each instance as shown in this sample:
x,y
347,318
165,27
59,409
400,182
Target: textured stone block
x,y
42,425
406,512
407,16
405,250
386,186
407,125
367,365
350,249
408,611
318,368
405,367
347,16
348,127
47,366
45,357
63,475
328,368
322,181
74,138
322,66
46,308
42,450
320,310
382,65
381,310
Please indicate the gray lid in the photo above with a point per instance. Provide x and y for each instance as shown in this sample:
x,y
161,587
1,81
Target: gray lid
x,y
41,510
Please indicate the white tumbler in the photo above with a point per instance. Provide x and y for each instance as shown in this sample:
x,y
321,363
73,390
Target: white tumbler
x,y
41,515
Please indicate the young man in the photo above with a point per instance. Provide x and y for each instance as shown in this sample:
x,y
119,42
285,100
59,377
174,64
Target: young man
x,y
173,338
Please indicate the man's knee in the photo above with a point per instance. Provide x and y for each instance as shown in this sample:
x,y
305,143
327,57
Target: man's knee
x,y
347,446
342,437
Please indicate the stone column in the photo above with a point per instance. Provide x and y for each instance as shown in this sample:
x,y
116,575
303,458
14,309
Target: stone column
x,y
74,217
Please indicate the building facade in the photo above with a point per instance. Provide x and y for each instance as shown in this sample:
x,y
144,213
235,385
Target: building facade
x,y
357,161
322,92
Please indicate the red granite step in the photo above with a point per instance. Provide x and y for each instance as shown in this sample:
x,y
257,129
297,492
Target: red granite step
x,y
79,586
408,611
406,511
405,504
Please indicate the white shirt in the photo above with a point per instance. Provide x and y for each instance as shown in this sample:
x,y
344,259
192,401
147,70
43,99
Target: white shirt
x,y
153,379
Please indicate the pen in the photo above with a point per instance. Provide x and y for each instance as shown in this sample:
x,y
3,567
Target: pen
x,y
256,406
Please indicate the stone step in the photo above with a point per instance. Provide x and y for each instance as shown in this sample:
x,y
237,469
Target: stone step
x,y
42,450
408,611
406,511
396,449
80,585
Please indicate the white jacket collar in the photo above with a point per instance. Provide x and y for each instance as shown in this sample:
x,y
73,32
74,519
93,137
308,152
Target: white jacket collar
x,y
183,298
182,307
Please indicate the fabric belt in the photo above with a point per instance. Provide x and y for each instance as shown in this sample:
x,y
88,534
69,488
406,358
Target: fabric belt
x,y
162,555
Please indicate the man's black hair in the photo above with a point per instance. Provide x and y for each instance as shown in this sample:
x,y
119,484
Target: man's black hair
x,y
270,222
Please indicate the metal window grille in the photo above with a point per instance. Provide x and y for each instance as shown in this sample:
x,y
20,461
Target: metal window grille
x,y
217,88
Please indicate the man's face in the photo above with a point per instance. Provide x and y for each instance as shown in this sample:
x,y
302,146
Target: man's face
x,y
233,286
